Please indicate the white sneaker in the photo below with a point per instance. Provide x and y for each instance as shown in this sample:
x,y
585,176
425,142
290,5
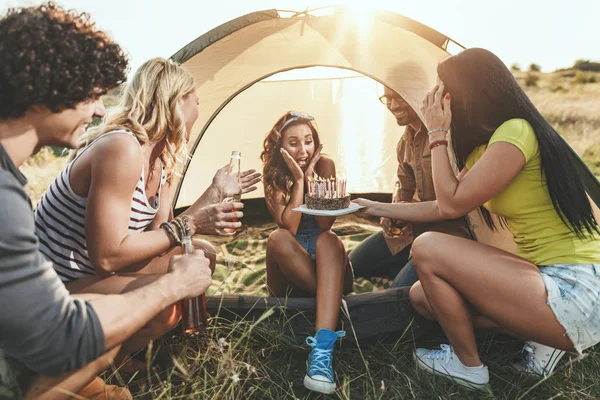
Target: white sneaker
x,y
445,363
539,359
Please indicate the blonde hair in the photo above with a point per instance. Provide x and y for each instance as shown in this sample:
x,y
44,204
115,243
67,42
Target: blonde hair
x,y
149,109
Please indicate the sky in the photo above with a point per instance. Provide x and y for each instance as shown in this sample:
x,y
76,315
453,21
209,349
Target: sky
x,y
551,33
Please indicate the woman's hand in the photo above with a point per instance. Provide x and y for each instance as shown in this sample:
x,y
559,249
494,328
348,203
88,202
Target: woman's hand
x,y
293,166
310,169
214,219
248,179
436,112
369,209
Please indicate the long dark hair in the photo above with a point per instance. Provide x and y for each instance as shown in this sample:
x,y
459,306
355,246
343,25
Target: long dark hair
x,y
485,94
276,174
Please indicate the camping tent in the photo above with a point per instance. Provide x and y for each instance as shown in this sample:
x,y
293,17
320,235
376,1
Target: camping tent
x,y
240,73
237,106
232,64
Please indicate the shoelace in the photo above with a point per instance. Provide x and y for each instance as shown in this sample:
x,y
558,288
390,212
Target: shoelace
x,y
444,353
320,359
529,357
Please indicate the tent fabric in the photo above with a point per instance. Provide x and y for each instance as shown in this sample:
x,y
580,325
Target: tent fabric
x,y
384,46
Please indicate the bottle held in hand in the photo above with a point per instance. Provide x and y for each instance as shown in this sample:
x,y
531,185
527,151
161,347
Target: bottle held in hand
x,y
194,315
232,188
396,228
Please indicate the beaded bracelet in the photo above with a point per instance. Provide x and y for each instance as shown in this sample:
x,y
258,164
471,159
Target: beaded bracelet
x,y
437,130
169,229
185,225
437,143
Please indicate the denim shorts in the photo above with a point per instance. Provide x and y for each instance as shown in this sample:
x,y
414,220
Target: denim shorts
x,y
308,240
574,296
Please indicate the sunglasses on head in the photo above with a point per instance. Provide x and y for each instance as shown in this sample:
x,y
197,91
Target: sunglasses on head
x,y
295,116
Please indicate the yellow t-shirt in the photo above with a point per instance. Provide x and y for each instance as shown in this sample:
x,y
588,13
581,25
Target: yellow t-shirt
x,y
541,236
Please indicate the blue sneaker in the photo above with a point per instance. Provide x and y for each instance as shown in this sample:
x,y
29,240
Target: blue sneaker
x,y
319,374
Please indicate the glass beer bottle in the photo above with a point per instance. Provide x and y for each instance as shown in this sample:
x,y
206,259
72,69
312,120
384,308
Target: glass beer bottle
x,y
194,315
232,188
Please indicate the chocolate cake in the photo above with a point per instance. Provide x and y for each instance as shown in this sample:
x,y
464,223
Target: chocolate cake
x,y
322,203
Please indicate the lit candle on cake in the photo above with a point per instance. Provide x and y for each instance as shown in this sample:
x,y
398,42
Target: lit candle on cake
x,y
327,194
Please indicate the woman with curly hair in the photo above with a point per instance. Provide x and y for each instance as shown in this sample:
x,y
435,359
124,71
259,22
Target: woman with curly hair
x,y
106,213
304,257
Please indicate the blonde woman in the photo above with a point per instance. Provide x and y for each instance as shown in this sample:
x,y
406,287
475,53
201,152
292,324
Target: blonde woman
x,y
102,216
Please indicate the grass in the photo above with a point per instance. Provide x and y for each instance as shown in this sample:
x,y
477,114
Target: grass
x,y
251,360
239,359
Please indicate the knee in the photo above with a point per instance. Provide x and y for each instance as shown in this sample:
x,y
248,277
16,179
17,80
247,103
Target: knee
x,y
165,321
330,241
277,238
423,249
209,252
418,300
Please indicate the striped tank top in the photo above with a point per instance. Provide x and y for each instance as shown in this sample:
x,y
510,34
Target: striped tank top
x,y
60,221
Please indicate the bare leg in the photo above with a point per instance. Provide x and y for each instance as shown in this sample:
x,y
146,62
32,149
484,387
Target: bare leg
x,y
458,275
421,304
64,386
160,264
158,326
289,267
125,282
332,266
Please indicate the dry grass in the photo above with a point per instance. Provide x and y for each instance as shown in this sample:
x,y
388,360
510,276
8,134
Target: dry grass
x,y
40,171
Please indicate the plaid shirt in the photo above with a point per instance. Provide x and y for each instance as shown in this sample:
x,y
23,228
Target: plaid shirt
x,y
415,183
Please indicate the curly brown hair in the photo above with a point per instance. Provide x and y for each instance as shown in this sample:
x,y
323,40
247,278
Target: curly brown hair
x,y
54,58
276,174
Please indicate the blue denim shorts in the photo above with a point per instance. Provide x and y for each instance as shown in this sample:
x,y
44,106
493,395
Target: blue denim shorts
x,y
308,240
574,296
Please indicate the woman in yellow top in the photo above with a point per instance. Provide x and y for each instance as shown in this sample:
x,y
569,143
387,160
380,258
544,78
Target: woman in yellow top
x,y
514,164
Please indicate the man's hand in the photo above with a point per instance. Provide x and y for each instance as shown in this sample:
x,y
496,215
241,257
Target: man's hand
x,y
191,274
387,225
215,218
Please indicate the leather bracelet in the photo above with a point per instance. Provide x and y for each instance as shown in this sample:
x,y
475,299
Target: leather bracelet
x,y
437,130
177,223
171,232
437,143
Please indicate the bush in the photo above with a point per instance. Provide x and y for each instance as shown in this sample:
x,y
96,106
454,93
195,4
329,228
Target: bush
x,y
515,67
531,79
535,67
587,65
583,77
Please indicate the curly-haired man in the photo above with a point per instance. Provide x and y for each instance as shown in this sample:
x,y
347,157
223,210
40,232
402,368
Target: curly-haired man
x,y
54,67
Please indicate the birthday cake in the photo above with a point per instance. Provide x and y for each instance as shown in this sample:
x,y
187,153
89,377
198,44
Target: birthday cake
x,y
327,194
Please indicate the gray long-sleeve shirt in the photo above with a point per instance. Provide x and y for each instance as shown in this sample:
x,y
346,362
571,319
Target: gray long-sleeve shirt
x,y
41,325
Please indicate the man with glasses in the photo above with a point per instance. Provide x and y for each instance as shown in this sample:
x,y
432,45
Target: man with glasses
x,y
387,253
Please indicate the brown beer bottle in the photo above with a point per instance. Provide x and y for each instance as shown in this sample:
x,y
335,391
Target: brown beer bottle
x,y
194,315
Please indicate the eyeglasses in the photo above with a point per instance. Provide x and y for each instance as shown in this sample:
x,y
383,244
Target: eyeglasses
x,y
388,99
295,116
